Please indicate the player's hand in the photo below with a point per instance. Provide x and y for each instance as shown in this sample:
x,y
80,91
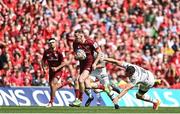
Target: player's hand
x,y
115,100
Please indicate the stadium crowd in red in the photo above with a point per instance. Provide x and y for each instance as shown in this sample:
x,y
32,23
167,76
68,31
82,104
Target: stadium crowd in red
x,y
144,32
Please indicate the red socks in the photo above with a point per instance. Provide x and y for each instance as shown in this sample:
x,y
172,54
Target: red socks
x,y
51,100
78,94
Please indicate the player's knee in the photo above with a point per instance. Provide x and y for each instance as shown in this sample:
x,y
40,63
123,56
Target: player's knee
x,y
53,85
87,83
138,96
81,79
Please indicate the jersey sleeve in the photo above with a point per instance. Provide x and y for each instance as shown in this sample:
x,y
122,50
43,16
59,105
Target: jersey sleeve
x,y
93,44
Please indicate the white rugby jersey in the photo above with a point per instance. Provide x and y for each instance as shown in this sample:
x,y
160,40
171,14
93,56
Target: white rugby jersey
x,y
140,76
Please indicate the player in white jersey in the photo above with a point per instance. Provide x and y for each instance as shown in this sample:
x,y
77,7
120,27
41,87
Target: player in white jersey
x,y
100,73
137,75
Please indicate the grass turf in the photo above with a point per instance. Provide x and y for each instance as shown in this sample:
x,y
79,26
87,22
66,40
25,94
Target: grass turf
x,y
101,109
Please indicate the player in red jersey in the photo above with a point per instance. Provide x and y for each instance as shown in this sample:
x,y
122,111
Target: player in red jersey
x,y
86,65
56,62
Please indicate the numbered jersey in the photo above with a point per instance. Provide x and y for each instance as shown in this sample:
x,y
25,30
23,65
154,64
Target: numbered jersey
x,y
141,76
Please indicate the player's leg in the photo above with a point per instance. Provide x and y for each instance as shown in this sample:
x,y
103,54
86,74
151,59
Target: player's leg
x,y
77,90
66,81
80,88
115,88
77,101
91,83
95,74
95,85
104,80
88,90
88,82
74,82
109,88
55,83
141,94
84,75
90,99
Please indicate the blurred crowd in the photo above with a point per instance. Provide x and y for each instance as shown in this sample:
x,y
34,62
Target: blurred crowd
x,y
144,32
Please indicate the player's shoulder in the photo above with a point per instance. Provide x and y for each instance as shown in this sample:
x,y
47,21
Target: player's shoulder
x,y
89,41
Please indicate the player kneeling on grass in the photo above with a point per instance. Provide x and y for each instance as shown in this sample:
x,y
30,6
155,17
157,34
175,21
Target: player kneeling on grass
x,y
56,62
137,75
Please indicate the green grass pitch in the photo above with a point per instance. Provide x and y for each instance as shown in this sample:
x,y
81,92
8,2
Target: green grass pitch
x,y
85,110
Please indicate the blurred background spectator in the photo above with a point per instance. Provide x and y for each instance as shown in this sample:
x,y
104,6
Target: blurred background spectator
x,y
144,32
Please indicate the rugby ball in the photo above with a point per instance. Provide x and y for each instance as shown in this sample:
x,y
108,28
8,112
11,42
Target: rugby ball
x,y
81,55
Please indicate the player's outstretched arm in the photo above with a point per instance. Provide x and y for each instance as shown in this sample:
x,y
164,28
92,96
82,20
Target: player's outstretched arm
x,y
114,61
123,92
99,53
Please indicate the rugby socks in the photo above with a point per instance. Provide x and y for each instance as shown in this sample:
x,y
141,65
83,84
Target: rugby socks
x,y
116,89
112,95
77,93
88,92
80,95
51,100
